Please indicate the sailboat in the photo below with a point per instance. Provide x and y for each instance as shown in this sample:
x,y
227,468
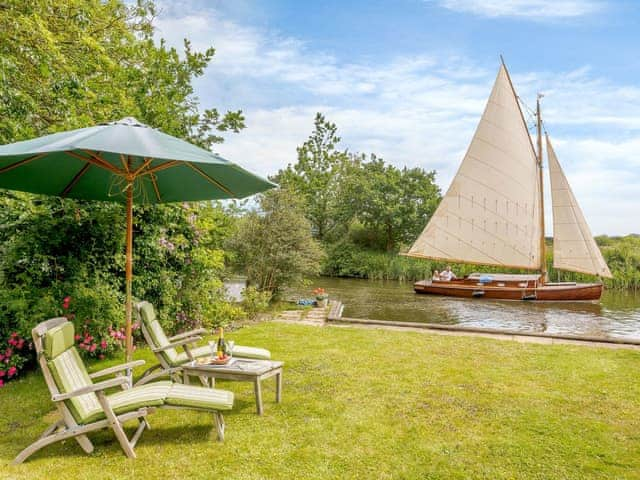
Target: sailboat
x,y
493,214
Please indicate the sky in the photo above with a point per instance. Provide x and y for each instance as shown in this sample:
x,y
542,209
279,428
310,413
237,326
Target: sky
x,y
408,80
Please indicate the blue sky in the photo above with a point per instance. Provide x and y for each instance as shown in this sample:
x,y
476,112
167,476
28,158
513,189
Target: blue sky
x,y
408,80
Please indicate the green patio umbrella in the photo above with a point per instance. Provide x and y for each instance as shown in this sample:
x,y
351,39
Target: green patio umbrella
x,y
123,161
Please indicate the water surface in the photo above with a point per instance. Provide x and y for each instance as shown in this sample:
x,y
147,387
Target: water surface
x,y
617,314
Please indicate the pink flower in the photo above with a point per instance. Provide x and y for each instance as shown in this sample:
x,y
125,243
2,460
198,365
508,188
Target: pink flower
x,y
2,373
93,347
20,344
7,353
77,337
12,371
101,356
14,334
13,342
1,357
103,345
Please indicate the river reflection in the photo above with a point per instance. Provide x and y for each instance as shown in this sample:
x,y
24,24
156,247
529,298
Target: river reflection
x,y
617,314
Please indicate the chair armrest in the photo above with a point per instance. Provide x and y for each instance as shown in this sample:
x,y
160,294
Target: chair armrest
x,y
192,333
179,343
114,382
116,369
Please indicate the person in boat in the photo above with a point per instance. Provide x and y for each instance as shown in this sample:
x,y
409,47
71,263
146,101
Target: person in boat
x,y
448,275
436,275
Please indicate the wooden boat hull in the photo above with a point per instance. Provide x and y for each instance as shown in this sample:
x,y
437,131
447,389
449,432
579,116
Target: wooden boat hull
x,y
512,290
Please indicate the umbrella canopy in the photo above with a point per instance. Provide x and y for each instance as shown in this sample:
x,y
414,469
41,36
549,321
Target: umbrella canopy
x,y
96,163
123,161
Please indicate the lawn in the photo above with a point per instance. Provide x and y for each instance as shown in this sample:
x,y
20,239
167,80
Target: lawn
x,y
364,403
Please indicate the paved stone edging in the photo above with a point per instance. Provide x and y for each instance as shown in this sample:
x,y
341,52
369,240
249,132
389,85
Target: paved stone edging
x,y
312,316
524,337
332,315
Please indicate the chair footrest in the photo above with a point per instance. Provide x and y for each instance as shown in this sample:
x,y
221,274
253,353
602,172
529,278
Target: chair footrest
x,y
199,397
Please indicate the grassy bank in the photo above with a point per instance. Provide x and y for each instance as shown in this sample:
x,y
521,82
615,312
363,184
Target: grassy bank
x,y
348,260
441,407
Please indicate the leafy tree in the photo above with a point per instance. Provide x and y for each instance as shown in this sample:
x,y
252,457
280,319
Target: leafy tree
x,y
76,63
274,246
394,203
317,176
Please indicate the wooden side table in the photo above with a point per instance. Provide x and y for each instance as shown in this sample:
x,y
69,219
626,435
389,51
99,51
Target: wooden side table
x,y
242,370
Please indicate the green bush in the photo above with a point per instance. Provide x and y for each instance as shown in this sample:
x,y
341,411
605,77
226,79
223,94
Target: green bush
x,y
274,247
223,314
15,354
54,250
344,259
255,301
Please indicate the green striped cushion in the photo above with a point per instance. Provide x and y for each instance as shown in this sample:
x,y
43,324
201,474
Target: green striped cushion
x,y
251,352
58,339
237,351
148,315
149,395
69,374
199,397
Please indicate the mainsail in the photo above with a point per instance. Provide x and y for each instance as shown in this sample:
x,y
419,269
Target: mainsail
x,y
491,212
573,246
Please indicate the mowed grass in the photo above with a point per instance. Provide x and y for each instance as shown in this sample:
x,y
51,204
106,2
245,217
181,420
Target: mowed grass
x,y
378,404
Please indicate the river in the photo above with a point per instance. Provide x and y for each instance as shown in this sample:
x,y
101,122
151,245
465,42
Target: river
x,y
617,314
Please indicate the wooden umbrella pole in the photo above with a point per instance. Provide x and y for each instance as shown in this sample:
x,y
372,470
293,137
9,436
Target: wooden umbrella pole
x,y
129,271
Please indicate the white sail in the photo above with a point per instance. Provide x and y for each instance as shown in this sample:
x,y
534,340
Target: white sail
x,y
573,246
491,212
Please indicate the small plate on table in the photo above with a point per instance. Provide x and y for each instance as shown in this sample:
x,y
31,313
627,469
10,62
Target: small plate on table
x,y
213,360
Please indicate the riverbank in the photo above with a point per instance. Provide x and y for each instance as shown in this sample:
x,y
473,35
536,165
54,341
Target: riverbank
x,y
361,403
617,314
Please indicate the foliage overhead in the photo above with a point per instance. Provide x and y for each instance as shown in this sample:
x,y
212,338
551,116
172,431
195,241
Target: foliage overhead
x,y
78,63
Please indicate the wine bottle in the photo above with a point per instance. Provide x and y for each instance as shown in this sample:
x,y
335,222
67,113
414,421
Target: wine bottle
x,y
221,348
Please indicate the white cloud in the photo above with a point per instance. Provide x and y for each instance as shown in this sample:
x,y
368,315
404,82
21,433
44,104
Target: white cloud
x,y
532,9
416,111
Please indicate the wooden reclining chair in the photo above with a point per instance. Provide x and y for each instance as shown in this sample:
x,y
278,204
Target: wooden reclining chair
x,y
85,406
165,348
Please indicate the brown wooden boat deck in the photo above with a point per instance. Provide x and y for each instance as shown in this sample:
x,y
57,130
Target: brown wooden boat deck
x,y
511,287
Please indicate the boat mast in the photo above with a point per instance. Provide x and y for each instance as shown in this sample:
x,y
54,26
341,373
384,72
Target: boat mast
x,y
543,259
